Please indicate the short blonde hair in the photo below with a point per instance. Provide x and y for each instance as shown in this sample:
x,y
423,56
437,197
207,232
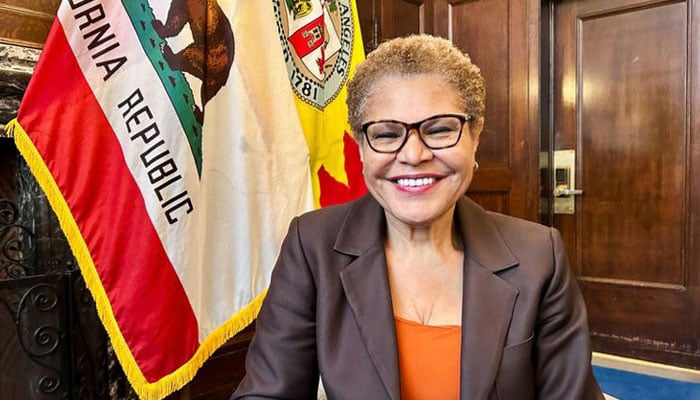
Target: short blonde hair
x,y
416,55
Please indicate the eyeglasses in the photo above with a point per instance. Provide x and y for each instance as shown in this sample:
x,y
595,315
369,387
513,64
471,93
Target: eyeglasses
x,y
436,132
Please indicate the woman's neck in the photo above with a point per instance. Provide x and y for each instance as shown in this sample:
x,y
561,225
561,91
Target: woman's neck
x,y
425,266
438,236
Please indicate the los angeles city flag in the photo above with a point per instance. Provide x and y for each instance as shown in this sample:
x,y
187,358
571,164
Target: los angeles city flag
x,y
167,139
323,47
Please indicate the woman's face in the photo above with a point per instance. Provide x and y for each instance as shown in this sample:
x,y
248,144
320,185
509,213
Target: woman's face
x,y
417,185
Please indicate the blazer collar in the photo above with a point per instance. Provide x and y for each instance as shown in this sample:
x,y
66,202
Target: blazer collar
x,y
482,241
363,227
488,301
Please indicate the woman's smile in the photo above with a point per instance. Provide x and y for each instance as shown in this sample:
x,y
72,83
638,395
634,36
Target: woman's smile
x,y
418,183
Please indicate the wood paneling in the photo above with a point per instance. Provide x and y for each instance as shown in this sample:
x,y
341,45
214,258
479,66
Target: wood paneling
x,y
403,17
47,7
625,93
369,25
26,23
385,19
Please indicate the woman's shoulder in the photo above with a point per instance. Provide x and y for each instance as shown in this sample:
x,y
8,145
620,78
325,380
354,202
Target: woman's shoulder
x,y
505,224
349,228
533,246
523,238
355,214
330,214
517,225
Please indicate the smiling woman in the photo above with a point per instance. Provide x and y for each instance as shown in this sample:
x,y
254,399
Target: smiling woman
x,y
414,291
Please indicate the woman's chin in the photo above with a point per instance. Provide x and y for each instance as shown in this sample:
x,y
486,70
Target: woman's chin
x,y
419,218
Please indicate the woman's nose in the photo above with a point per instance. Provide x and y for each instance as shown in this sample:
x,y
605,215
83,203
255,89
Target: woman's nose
x,y
414,150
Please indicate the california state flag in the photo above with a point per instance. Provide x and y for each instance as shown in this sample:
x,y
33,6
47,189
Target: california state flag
x,y
168,140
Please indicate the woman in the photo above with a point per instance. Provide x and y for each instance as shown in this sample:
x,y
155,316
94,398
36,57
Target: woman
x,y
414,291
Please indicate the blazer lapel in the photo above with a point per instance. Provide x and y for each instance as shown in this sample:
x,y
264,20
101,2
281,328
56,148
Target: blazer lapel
x,y
488,300
366,286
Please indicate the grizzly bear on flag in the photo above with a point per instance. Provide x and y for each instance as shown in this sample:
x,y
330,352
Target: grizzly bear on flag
x,y
210,56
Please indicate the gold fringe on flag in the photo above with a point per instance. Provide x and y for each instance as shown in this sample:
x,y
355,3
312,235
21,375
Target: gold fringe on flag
x,y
145,390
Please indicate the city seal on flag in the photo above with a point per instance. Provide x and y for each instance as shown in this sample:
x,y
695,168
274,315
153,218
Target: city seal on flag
x,y
317,39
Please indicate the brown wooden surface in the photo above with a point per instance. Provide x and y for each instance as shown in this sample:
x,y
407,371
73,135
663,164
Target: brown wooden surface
x,y
625,91
401,17
26,22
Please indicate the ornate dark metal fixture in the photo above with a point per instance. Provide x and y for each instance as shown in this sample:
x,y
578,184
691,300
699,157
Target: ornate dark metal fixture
x,y
17,244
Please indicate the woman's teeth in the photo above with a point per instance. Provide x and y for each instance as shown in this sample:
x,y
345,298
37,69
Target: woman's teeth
x,y
416,182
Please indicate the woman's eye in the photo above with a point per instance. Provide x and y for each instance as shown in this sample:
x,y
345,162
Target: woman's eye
x,y
385,131
386,135
438,130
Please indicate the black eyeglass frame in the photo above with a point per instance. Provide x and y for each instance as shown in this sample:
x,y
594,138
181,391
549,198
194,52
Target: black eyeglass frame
x,y
463,118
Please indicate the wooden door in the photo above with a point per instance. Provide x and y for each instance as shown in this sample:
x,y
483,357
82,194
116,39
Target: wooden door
x,y
496,35
626,98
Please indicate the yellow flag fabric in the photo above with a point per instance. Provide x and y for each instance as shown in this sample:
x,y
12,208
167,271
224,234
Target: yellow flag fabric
x,y
323,47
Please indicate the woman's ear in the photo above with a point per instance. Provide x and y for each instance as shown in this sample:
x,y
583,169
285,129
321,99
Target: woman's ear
x,y
475,129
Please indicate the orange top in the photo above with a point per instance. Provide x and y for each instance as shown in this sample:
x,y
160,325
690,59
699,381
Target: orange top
x,y
429,358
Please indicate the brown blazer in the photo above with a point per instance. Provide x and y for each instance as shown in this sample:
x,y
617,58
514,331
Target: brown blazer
x,y
328,311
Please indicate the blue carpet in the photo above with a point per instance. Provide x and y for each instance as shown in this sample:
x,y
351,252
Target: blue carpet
x,y
631,386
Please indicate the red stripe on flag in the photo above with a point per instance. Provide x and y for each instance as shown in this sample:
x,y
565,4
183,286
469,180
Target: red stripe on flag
x,y
74,137
308,38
